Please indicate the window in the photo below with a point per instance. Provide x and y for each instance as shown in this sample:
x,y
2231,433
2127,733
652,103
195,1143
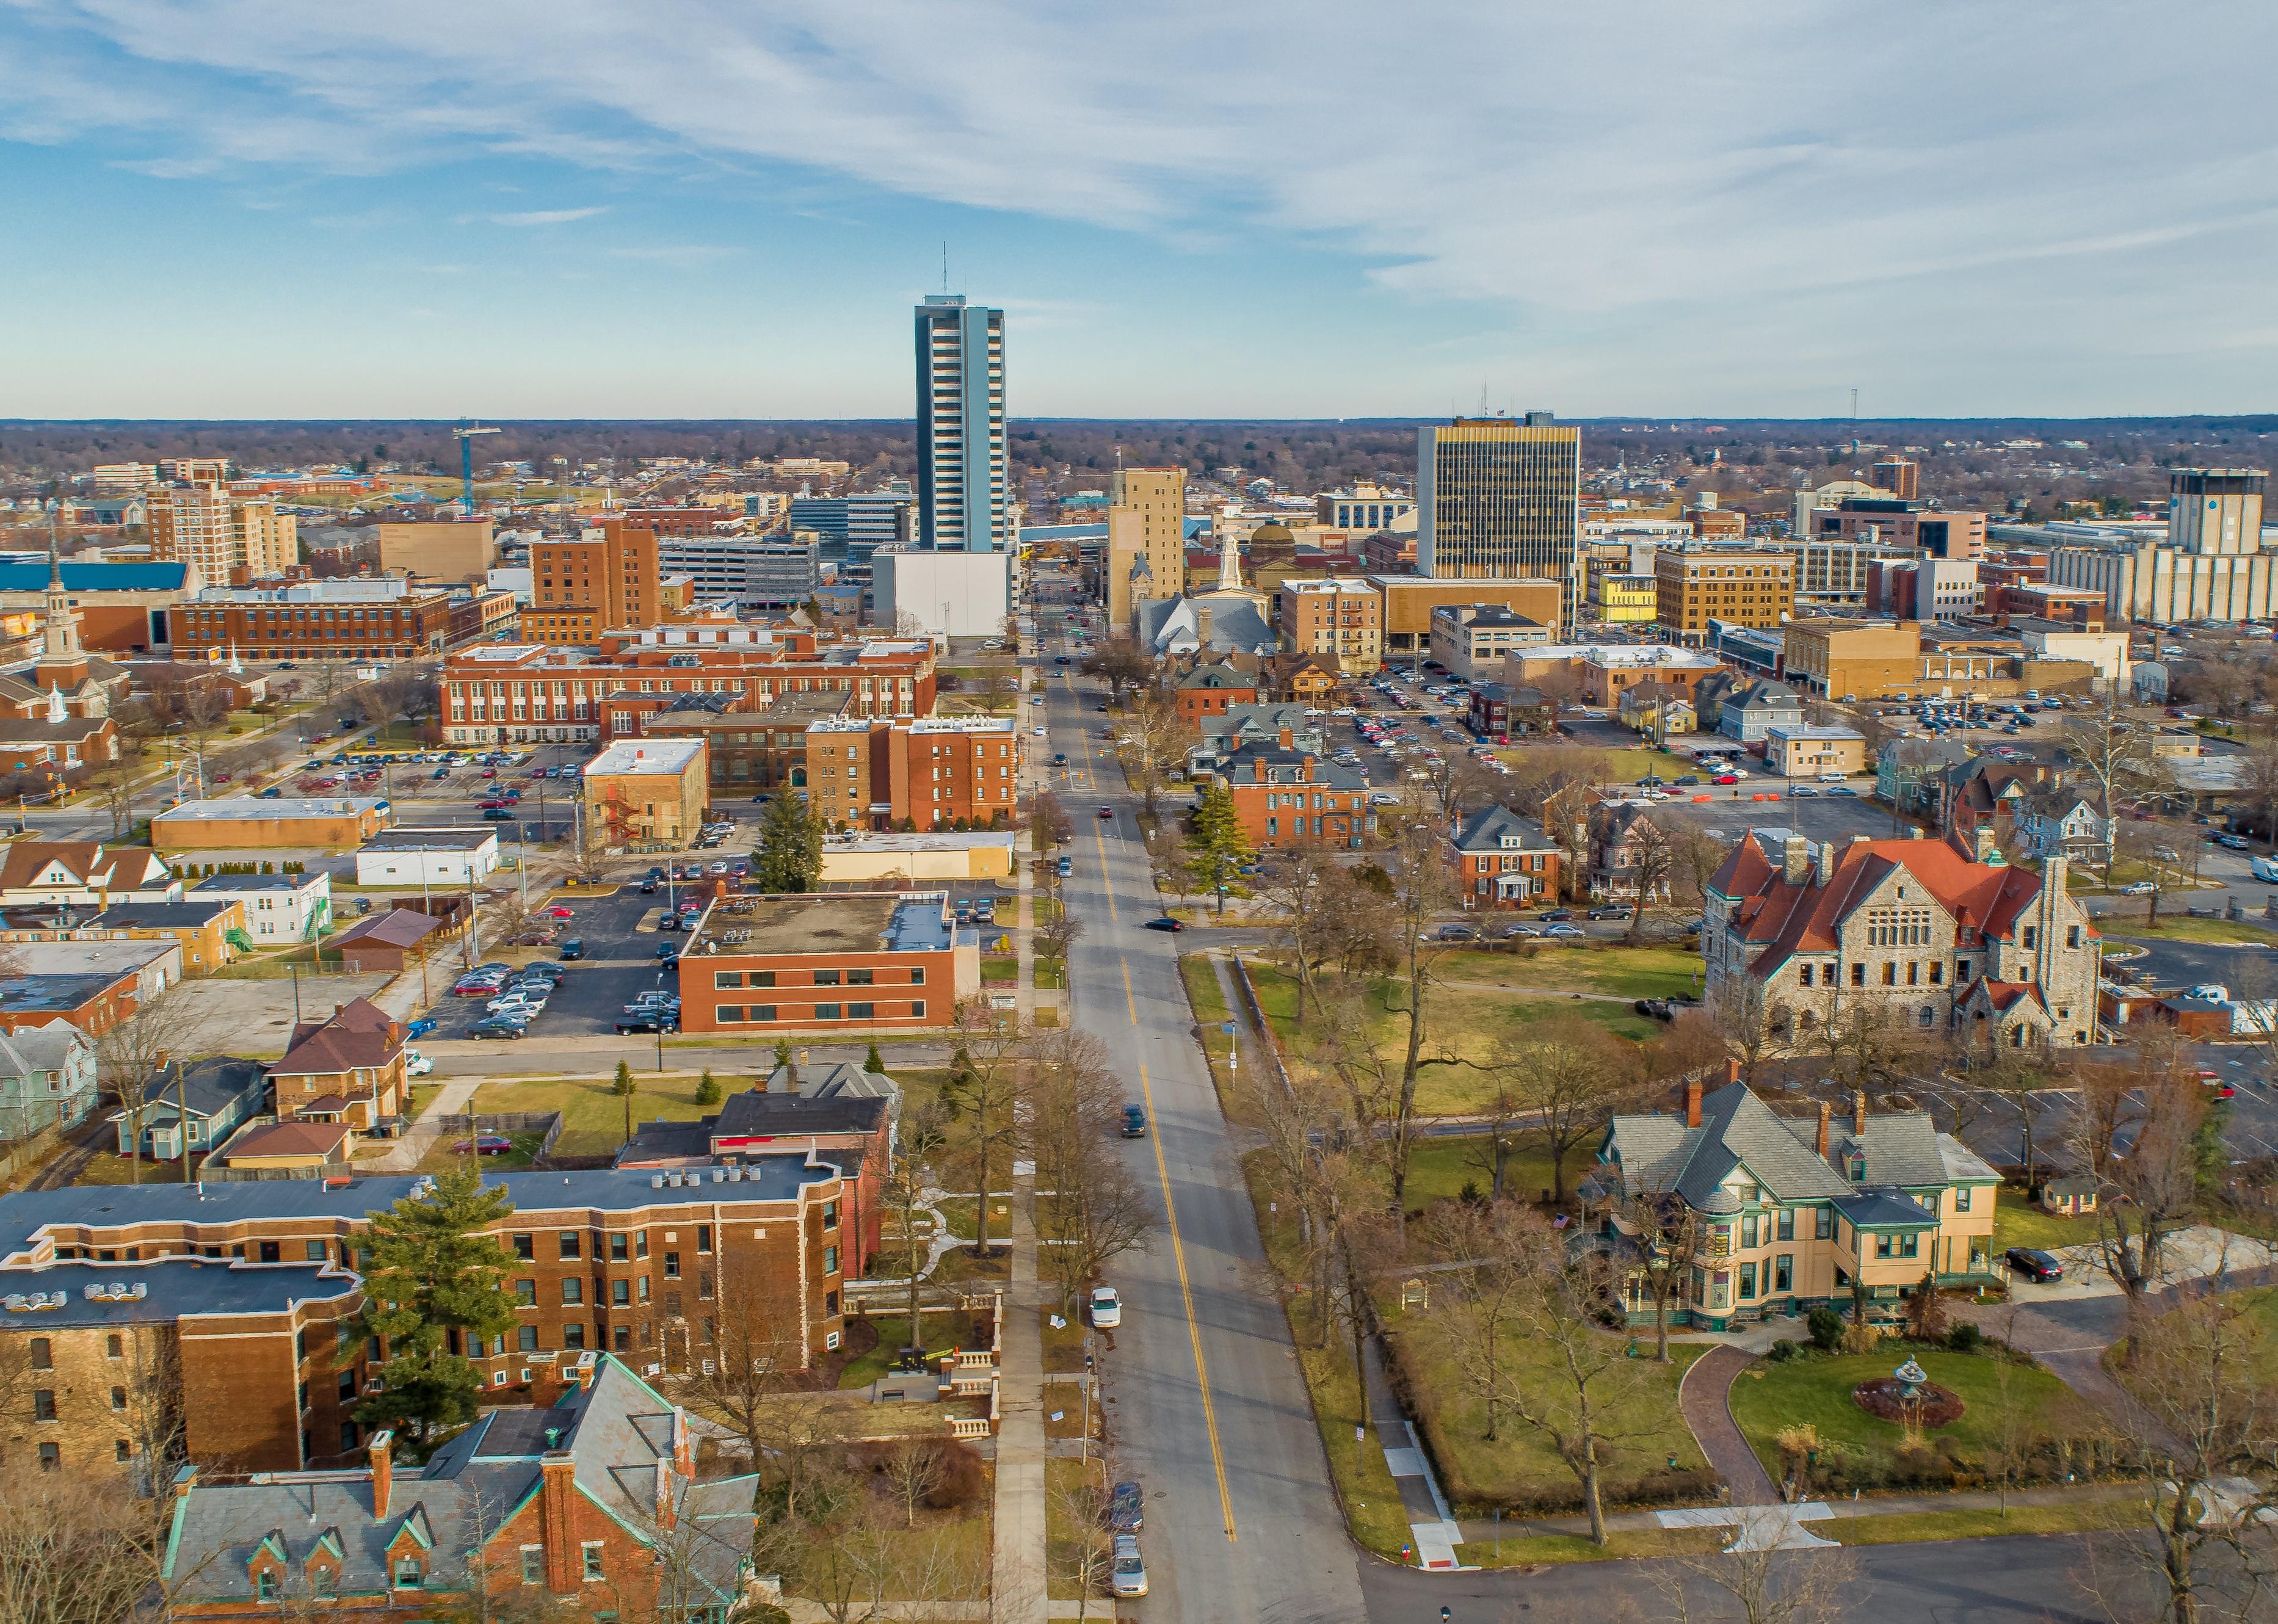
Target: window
x,y
533,1564
1747,1281
830,1215
860,978
1786,1224
51,1459
1748,1230
315,1252
44,1404
830,1260
861,1011
525,1249
826,1012
621,1294
672,1265
592,1551
264,1585
1823,1223
640,1289
1784,1272
826,978
525,1293
1961,1198
406,1573
43,1357
570,1245
121,1449
526,1339
618,1247
1858,975
119,1399
917,978
573,1291
1803,975
573,1337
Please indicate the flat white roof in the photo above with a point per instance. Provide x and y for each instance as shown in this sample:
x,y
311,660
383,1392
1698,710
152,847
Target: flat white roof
x,y
658,755
919,843
249,809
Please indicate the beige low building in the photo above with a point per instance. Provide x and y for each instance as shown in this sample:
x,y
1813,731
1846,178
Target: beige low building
x,y
438,550
1409,601
1813,753
243,823
649,791
876,859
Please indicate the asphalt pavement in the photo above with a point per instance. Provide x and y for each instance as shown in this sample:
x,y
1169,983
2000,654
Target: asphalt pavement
x,y
1206,1406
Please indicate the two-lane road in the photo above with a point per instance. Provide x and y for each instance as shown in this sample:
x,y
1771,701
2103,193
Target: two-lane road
x,y
1206,1407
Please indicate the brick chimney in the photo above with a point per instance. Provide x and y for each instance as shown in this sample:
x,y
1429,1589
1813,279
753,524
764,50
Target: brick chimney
x,y
584,1370
383,1471
1692,1101
1858,1110
1826,1116
557,1520
1732,1071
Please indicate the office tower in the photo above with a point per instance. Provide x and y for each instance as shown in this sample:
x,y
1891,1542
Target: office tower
x,y
852,528
1497,497
222,536
1900,475
1146,520
606,580
964,496
2215,509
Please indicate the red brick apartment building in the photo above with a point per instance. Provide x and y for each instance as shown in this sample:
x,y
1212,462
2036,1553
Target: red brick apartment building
x,y
637,1263
1209,691
1503,862
526,693
1286,798
382,618
588,1507
849,962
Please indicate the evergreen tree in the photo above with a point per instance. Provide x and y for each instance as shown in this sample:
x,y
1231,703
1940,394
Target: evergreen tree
x,y
431,1272
624,1088
707,1092
789,858
874,1061
1217,844
782,1053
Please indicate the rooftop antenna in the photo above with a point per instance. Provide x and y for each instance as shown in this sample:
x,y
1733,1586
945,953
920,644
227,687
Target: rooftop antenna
x,y
1855,403
945,288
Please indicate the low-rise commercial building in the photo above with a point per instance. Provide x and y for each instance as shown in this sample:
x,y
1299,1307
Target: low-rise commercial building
x,y
1409,601
1624,599
652,793
210,930
1852,660
1469,641
872,860
452,549
1813,753
930,774
359,617
1339,618
424,856
279,909
243,823
757,966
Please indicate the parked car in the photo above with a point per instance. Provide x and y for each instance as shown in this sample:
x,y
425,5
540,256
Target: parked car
x,y
574,947
1134,1121
1126,1513
1563,930
416,1064
494,1028
1131,1571
648,1020
1611,911
558,911
1166,923
2141,888
1106,1308
1456,932
484,1145
1512,933
2035,1264
1559,914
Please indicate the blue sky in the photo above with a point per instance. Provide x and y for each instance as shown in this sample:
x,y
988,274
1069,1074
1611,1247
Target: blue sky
x,y
252,207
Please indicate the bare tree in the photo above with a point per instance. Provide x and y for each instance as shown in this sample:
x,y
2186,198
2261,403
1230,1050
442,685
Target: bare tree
x,y
1099,1209
73,1550
1666,1231
2111,751
751,1376
138,1056
1475,1308
908,1187
983,1092
1761,1587
1758,1024
1652,860
1156,742
1564,1073
914,1468
1084,1553
2144,1197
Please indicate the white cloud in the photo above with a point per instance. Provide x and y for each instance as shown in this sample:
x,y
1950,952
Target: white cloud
x,y
545,216
1696,194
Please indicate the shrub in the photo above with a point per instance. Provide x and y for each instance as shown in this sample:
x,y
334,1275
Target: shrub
x,y
1862,1338
1964,1337
708,1091
1782,1349
1826,1330
964,1478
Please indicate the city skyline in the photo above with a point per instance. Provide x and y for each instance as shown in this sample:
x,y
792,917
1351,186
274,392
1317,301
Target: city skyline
x,y
530,213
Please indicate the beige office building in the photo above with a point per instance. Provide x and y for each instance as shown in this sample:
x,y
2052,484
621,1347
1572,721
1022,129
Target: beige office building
x,y
1146,520
1499,498
222,534
1409,601
441,550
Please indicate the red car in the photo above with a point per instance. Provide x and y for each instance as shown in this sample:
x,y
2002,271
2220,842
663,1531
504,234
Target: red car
x,y
490,771
1726,778
1107,812
219,778
559,913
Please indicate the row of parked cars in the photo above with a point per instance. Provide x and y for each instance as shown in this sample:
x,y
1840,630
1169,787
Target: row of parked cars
x,y
513,998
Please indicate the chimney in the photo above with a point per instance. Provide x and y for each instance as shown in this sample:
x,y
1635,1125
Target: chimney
x,y
1289,739
1826,861
1984,843
557,1520
1858,1111
339,1009
1692,1101
1826,1116
584,1369
1732,1072
683,1444
383,1471
1795,862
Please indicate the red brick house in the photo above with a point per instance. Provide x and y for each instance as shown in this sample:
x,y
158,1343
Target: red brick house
x,y
1502,861
1208,690
592,1502
840,961
348,1069
1286,798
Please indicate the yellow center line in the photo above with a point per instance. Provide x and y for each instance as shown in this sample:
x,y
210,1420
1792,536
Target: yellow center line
x,y
1187,1296
1129,1003
1101,842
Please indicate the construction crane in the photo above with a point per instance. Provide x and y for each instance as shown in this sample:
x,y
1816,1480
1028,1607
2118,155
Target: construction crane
x,y
465,435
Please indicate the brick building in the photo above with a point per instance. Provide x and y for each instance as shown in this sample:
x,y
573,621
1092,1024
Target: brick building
x,y
930,773
590,1504
1209,690
1286,796
582,586
334,823
1338,618
652,793
1502,861
347,1068
763,965
374,617
114,1356
1739,586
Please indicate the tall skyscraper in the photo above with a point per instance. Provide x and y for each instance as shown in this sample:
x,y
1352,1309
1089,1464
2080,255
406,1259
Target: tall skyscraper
x,y
1146,519
1900,475
222,534
1498,499
964,496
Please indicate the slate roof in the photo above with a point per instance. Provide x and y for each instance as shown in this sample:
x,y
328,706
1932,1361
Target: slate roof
x,y
619,1433
1738,1131
1216,677
1241,765
1485,830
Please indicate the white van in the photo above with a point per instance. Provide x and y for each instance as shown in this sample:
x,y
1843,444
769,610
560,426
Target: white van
x,y
2264,869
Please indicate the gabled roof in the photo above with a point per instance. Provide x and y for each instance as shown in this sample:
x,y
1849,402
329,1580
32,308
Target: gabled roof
x,y
398,927
26,859
1488,829
207,1087
1241,766
359,1035
1215,677
41,1048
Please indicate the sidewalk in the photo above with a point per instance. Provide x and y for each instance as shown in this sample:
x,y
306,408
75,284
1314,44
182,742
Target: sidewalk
x,y
1017,1589
1482,1530
405,1154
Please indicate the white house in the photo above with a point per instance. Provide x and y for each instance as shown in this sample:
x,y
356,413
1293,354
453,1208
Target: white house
x,y
442,856
2076,832
279,909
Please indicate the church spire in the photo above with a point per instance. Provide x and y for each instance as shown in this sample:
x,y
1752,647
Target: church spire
x,y
1229,567
60,641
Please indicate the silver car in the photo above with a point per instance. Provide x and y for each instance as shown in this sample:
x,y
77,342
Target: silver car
x,y
1131,1571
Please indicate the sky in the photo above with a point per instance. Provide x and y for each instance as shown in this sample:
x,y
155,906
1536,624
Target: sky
x,y
264,209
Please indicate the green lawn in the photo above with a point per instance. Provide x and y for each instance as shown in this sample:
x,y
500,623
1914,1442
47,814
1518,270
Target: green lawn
x,y
1916,1527
1439,1169
1647,972
1050,974
959,1212
1207,999
1521,1469
1000,969
592,1119
2017,1221
1064,1558
1817,1391
864,1369
1474,1022
2182,927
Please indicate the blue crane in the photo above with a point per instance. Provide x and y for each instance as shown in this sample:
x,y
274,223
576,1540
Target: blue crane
x,y
465,435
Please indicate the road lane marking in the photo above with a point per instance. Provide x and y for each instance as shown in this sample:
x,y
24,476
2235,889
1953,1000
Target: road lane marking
x,y
1100,840
1187,1296
1129,1003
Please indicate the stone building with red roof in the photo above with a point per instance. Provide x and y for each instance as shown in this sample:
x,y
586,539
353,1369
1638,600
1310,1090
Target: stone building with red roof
x,y
1935,935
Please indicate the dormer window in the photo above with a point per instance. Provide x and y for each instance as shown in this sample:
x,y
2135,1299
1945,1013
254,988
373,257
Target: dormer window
x,y
409,1572
1854,1165
264,1585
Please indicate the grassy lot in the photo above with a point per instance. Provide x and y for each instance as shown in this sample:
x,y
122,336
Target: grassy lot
x,y
1063,1347
1653,971
864,1369
2018,1223
1622,766
1817,1391
441,1154
1477,1020
1521,1469
421,1095
592,1119
964,1547
2182,927
1207,999
1000,969
1440,1168
1540,1548
1912,1527
104,1167
1064,1483
960,1213
1052,975
1364,1483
